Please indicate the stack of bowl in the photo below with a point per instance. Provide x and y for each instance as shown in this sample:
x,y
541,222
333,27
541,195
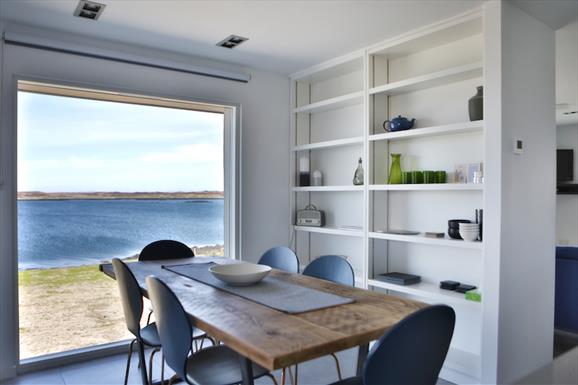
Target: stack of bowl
x,y
454,227
469,231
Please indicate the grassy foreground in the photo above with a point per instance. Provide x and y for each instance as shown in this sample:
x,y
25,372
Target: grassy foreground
x,y
72,307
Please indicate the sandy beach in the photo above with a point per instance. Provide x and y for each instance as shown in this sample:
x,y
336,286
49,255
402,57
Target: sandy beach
x,y
72,307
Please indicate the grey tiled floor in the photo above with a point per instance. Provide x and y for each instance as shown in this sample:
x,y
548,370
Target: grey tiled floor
x,y
110,370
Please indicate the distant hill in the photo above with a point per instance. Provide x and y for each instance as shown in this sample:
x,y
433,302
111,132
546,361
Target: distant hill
x,y
39,195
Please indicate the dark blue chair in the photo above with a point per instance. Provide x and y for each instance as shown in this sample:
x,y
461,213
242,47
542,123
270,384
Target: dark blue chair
x,y
165,249
282,258
337,270
411,352
215,365
331,268
132,305
566,298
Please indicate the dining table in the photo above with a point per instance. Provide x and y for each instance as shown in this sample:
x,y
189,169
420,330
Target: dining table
x,y
270,337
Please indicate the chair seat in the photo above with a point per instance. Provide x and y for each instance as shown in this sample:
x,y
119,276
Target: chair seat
x,y
150,335
349,381
217,365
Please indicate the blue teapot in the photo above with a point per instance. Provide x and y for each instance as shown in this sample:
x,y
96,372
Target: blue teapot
x,y
398,124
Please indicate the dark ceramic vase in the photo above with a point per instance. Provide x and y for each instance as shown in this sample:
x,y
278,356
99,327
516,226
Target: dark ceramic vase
x,y
476,105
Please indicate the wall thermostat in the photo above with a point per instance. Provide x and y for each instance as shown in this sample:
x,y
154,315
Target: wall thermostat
x,y
518,146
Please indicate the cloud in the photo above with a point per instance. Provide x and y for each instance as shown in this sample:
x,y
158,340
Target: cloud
x,y
187,153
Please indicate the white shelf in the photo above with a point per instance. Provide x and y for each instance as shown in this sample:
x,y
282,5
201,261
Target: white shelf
x,y
450,75
327,188
330,230
448,129
329,144
447,242
426,290
428,187
331,104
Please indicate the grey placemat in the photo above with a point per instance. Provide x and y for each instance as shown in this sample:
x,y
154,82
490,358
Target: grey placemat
x,y
271,291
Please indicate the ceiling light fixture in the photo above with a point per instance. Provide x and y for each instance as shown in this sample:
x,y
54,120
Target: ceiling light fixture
x,y
89,9
232,41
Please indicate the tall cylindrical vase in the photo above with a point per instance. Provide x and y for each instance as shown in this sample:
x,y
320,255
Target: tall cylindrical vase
x,y
395,170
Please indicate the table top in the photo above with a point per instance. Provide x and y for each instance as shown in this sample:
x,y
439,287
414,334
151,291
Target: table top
x,y
272,338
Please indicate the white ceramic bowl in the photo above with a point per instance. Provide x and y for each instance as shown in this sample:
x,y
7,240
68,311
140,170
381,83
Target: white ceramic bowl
x,y
240,274
469,236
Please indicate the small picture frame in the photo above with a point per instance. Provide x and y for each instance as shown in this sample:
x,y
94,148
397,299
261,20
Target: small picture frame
x,y
473,168
461,173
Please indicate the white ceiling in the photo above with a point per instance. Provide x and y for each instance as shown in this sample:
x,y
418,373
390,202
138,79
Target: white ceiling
x,y
285,36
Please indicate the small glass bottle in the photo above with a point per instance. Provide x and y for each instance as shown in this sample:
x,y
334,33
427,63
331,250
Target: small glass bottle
x,y
358,176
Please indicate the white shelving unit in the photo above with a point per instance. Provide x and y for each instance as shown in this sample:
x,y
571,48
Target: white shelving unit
x,y
450,75
338,109
426,290
447,129
421,239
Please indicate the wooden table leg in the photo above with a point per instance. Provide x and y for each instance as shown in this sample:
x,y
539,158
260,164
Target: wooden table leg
x,y
361,356
246,370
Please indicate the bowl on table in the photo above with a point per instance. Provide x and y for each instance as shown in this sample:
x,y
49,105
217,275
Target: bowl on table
x,y
469,231
240,274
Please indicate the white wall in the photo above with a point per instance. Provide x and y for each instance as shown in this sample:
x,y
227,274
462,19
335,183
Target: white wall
x,y
265,142
567,205
520,200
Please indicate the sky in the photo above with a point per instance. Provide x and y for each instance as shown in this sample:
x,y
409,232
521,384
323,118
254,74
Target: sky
x,y
77,145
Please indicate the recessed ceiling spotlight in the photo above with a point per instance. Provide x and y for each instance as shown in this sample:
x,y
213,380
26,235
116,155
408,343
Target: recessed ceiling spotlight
x,y
89,9
232,41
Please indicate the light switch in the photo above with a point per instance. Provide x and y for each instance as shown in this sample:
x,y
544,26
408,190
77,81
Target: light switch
x,y
518,146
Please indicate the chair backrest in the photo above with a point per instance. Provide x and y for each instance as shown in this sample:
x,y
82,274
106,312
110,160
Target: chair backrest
x,y
331,268
130,296
165,249
413,351
282,258
175,329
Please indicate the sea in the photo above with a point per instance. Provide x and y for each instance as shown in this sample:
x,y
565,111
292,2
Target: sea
x,y
58,233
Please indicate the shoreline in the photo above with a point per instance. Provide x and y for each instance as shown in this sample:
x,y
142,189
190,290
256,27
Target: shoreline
x,y
199,250
115,195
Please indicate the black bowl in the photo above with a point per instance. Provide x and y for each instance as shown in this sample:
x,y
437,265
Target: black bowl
x,y
455,223
454,233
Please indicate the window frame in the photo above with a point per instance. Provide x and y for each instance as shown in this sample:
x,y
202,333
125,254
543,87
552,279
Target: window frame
x,y
8,178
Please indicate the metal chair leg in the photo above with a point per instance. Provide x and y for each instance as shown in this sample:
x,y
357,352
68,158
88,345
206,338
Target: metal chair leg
x,y
296,374
337,366
142,361
162,367
272,378
128,361
149,317
151,364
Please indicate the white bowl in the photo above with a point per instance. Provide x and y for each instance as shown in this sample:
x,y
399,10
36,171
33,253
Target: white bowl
x,y
469,236
240,274
469,225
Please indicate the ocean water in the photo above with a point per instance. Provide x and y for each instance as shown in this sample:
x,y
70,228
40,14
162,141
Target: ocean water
x,y
79,232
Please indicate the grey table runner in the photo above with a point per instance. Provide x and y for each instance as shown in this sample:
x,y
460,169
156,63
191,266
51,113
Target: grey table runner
x,y
271,291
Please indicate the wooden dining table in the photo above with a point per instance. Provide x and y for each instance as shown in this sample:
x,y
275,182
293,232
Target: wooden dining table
x,y
272,338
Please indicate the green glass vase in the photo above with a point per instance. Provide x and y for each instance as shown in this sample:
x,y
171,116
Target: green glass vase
x,y
395,170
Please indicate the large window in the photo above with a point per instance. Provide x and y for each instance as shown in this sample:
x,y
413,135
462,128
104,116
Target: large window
x,y
101,175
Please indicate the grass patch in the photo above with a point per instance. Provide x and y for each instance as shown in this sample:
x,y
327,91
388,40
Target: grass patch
x,y
60,276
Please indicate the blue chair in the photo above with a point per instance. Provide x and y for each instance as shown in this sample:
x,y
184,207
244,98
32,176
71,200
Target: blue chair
x,y
331,268
215,365
282,258
411,352
132,305
335,269
165,249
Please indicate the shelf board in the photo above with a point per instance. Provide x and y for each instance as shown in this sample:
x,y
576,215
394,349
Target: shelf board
x,y
329,144
327,188
447,129
426,290
330,230
447,242
331,104
450,75
428,187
